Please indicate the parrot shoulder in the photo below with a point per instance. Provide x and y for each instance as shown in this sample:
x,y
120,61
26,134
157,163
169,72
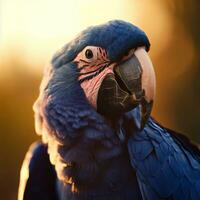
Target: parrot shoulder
x,y
37,176
167,165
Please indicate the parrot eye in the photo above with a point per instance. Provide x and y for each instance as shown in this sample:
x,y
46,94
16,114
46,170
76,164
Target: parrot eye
x,y
88,54
91,56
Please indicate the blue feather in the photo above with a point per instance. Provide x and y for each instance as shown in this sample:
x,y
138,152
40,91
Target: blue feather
x,y
169,170
160,166
123,33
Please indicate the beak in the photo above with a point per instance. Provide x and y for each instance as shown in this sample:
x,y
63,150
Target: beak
x,y
132,84
137,74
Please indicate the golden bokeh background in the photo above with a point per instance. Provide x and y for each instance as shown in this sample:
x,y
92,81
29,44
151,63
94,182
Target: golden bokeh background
x,y
30,31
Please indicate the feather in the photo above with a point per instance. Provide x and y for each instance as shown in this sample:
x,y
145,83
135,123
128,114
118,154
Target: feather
x,y
39,182
170,169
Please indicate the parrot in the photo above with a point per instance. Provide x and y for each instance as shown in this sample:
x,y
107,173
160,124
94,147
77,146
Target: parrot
x,y
98,138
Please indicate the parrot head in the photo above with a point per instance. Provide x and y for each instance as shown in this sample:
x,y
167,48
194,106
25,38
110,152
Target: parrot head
x,y
112,66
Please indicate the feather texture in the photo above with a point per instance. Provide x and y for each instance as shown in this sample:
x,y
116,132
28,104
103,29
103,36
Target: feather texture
x,y
165,168
38,177
86,158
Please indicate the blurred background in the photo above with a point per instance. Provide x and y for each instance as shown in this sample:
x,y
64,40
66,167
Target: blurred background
x,y
30,31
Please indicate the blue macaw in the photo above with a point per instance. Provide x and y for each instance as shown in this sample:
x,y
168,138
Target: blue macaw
x,y
98,138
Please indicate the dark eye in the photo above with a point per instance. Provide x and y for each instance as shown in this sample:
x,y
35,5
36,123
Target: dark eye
x,y
88,54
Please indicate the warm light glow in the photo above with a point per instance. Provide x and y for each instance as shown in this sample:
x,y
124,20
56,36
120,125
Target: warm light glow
x,y
35,29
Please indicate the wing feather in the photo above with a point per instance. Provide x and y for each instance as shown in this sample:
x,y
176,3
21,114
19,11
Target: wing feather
x,y
37,177
166,167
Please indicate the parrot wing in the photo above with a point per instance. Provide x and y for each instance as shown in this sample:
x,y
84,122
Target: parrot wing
x,y
37,178
167,165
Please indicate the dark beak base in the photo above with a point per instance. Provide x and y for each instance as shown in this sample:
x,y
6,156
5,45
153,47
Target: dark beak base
x,y
122,91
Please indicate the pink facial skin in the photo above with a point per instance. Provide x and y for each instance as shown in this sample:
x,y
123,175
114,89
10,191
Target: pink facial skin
x,y
91,87
88,67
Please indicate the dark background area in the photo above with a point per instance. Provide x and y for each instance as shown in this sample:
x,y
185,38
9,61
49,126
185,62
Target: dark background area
x,y
177,104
